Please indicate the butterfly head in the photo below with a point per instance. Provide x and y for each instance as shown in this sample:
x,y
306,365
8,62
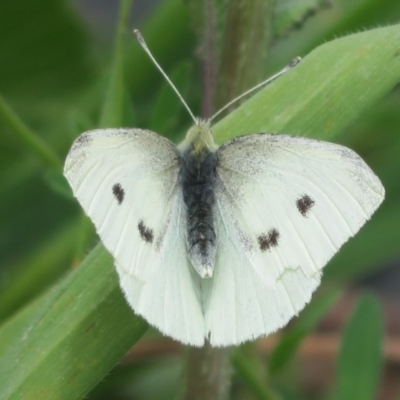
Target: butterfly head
x,y
199,138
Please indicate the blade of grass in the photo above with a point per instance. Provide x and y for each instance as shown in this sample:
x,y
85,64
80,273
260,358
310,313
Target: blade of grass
x,y
28,137
68,340
360,359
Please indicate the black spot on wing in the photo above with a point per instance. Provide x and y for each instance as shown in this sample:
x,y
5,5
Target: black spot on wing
x,y
145,232
269,240
304,204
118,192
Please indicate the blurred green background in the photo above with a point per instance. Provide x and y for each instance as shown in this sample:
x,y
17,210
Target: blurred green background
x,y
62,72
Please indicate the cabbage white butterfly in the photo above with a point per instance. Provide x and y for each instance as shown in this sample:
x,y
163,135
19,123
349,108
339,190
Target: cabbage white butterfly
x,y
219,243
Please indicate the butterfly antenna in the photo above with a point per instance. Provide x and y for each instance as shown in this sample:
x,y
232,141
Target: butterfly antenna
x,y
146,49
292,64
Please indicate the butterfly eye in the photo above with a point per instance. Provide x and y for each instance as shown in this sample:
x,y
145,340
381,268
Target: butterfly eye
x,y
118,193
304,204
270,240
145,232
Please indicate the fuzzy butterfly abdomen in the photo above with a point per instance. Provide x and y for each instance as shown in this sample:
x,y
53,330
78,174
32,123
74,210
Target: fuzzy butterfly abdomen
x,y
198,179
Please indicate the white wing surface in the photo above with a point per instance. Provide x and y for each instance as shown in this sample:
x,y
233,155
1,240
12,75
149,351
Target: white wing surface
x,y
127,182
285,205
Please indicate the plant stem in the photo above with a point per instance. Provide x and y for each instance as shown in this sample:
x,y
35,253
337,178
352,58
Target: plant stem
x,y
112,113
208,373
245,41
209,60
245,37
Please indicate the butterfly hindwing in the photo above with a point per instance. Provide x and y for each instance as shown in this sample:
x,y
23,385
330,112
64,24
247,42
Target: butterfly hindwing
x,y
285,205
170,299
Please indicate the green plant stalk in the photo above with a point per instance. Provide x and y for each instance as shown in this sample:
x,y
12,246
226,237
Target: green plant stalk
x,y
246,36
28,137
248,372
113,106
48,340
208,373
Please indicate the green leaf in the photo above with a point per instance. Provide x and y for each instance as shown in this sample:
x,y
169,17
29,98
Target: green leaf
x,y
360,359
66,342
326,92
290,341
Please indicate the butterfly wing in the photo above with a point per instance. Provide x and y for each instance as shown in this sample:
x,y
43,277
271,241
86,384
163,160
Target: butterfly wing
x,y
170,300
127,182
285,205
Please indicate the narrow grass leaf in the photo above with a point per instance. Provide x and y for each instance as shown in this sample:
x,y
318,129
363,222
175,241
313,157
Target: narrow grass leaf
x,y
28,137
359,366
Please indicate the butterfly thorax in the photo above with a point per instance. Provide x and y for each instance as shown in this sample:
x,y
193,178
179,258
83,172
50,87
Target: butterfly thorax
x,y
197,171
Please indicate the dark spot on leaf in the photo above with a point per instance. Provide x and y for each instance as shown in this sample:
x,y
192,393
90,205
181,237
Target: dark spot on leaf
x,y
270,240
145,233
304,204
118,193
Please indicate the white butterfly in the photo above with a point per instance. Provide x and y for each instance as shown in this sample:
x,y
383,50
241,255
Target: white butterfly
x,y
225,244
